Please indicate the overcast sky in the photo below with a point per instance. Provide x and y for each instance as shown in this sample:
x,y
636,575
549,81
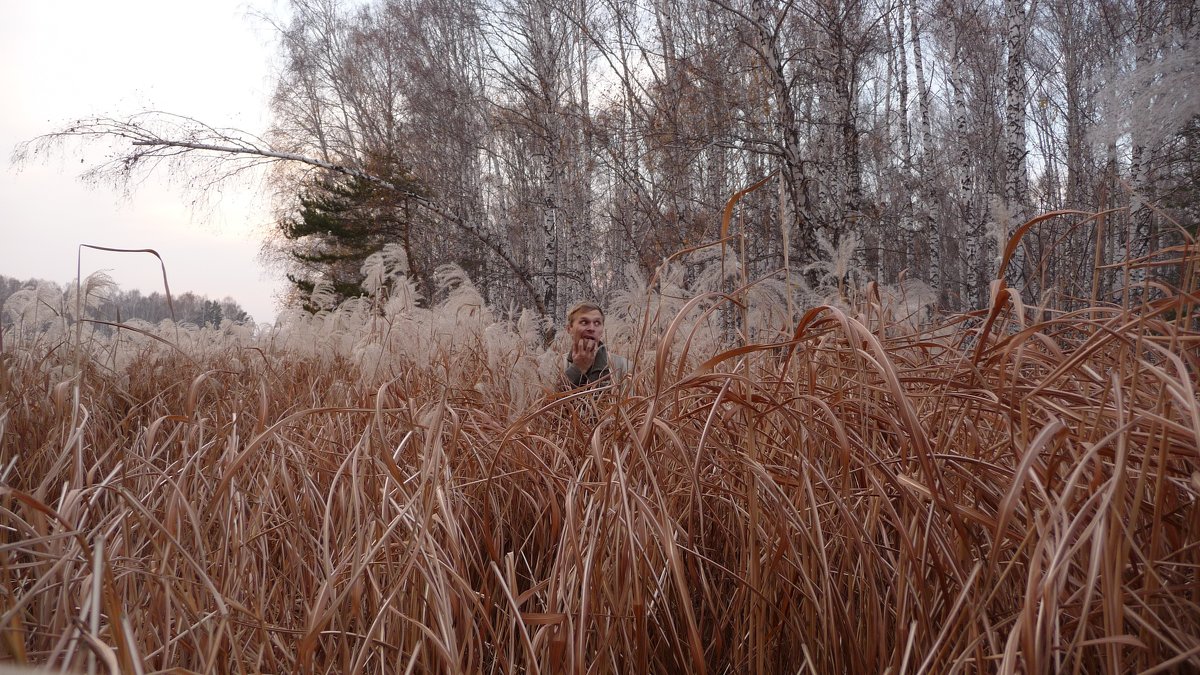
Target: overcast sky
x,y
67,59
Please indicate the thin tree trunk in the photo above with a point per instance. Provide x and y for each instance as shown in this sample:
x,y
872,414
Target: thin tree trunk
x,y
966,188
1016,187
933,229
1140,213
549,271
792,169
909,225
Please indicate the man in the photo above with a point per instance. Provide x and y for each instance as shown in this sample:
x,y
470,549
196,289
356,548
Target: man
x,y
589,360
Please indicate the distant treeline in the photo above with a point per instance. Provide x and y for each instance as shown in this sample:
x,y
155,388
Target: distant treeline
x,y
122,305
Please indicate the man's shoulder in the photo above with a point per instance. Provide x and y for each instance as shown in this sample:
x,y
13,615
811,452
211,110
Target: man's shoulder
x,y
619,363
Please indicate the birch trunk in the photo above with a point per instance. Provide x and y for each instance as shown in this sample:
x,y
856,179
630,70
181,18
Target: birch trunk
x,y
582,240
1140,213
908,223
1016,187
792,171
549,268
966,188
928,208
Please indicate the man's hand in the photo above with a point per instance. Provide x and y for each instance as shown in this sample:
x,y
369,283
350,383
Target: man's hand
x,y
583,353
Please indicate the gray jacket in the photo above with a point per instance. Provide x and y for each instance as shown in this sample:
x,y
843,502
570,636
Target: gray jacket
x,y
605,364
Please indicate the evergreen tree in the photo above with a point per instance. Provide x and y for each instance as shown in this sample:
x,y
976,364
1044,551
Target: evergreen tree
x,y
341,220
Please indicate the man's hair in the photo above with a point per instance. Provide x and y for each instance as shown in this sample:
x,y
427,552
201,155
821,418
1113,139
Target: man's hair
x,y
581,307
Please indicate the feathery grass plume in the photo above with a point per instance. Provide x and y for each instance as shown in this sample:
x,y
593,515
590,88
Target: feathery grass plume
x,y
767,315
630,299
89,294
907,305
37,313
323,295
833,271
403,297
383,267
997,229
1156,99
356,491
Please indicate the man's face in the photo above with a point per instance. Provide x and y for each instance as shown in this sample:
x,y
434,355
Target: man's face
x,y
587,325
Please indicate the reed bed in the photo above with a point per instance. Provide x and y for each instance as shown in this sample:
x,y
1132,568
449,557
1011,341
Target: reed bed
x,y
395,489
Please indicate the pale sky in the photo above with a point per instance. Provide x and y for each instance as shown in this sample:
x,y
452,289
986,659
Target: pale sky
x,y
67,59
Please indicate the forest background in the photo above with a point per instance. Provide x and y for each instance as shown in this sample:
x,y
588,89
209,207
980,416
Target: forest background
x,y
562,149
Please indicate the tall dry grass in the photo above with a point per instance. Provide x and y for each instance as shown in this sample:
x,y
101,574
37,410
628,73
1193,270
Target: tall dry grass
x,y
388,488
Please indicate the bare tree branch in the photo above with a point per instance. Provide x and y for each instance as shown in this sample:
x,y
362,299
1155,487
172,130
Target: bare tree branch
x,y
139,145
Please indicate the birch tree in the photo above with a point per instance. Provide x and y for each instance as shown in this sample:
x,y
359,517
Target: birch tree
x,y
1016,185
925,162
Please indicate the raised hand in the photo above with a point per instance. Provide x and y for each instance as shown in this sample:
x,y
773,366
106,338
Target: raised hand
x,y
583,353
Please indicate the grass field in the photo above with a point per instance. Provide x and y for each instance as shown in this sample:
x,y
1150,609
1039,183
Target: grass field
x,y
389,488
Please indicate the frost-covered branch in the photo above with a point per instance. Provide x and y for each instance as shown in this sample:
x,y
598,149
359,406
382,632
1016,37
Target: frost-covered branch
x,y
138,146
1157,100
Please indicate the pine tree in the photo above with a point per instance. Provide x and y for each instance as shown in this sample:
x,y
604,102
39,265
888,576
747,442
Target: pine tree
x,y
341,220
